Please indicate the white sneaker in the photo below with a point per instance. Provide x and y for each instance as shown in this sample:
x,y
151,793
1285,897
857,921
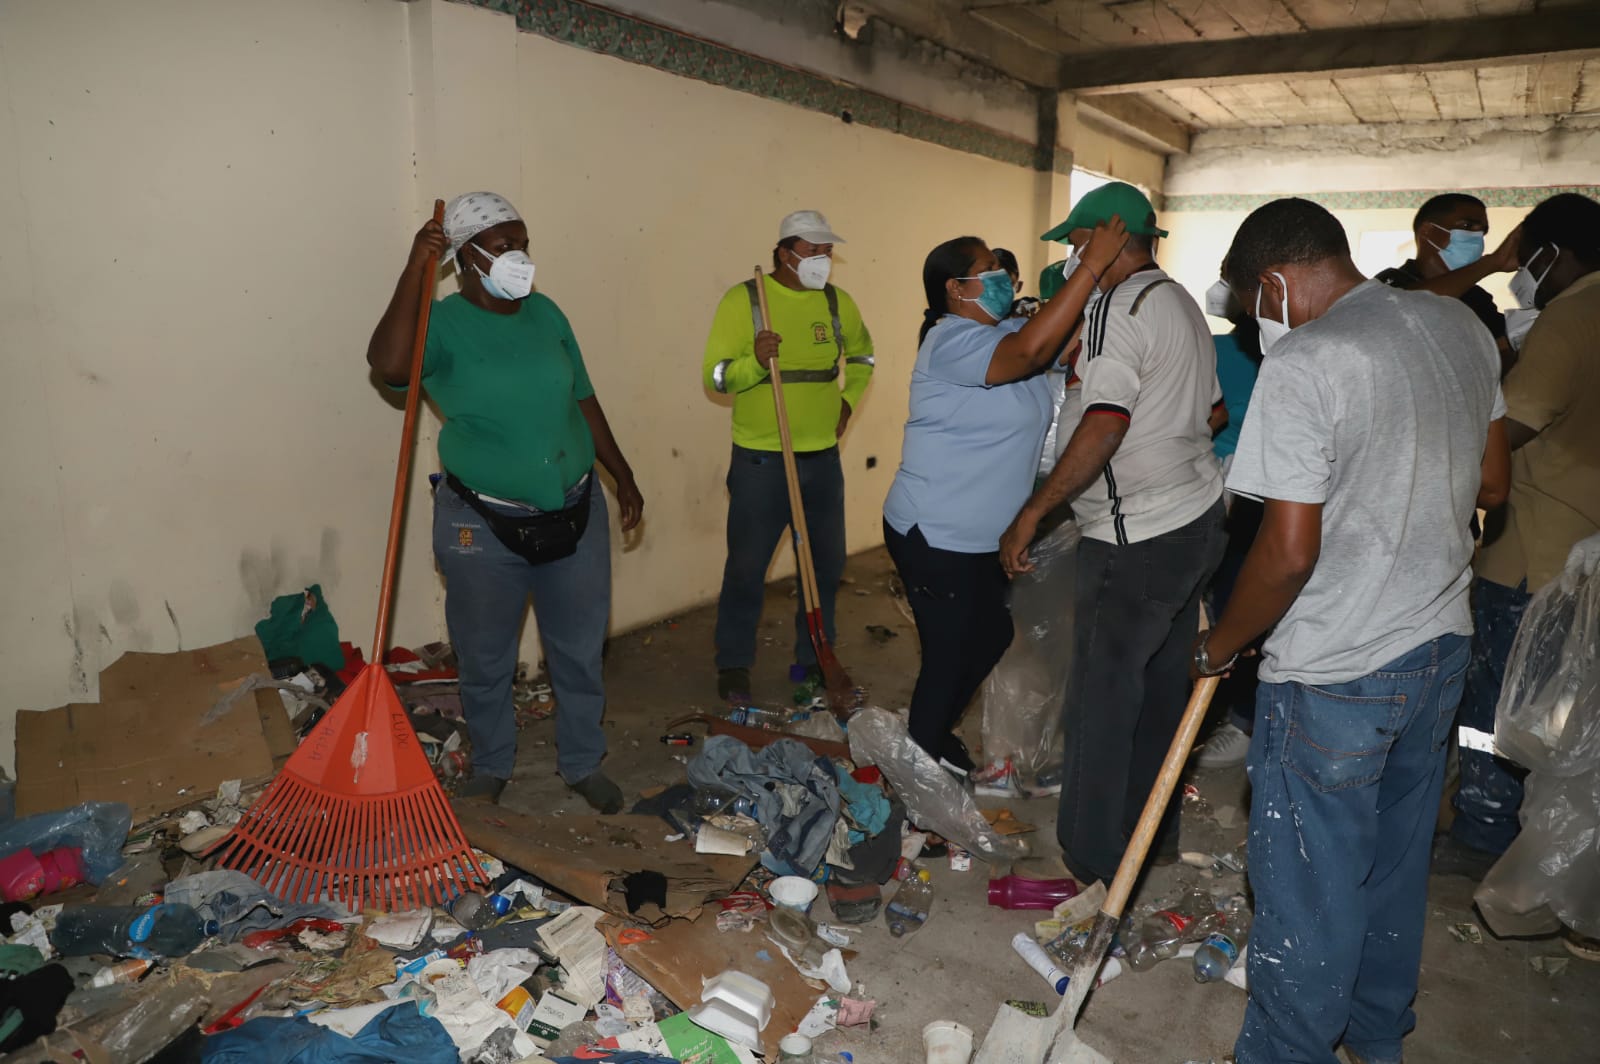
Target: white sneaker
x,y
1226,748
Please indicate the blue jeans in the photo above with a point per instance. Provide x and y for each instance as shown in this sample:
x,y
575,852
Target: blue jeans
x,y
486,593
1490,796
1136,611
1345,781
758,514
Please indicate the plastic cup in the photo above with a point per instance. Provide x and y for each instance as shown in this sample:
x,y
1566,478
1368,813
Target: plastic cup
x,y
947,1042
793,893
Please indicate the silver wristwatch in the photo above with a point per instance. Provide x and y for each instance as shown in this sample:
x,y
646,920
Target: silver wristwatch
x,y
1202,661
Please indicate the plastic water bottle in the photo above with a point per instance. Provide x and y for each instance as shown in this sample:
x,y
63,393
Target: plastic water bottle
x,y
908,909
1221,948
1160,935
135,931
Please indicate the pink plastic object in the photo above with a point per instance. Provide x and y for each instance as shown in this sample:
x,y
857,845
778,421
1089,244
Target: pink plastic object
x,y
1014,892
21,876
63,868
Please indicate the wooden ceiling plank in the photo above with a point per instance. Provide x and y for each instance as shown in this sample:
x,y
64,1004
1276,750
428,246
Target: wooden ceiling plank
x,y
1369,101
1588,101
1029,26
1339,53
1323,103
1203,104
1553,87
1455,92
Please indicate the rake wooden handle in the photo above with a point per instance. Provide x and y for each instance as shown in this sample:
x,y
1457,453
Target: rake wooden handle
x,y
408,439
810,597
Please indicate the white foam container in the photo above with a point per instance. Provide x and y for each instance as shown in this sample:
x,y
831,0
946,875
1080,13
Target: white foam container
x,y
736,1006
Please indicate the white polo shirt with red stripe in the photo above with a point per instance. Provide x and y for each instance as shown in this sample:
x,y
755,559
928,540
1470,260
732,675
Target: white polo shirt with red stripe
x,y
1148,357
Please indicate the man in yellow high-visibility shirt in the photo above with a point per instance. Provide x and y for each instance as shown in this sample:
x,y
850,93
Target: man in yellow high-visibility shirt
x,y
816,328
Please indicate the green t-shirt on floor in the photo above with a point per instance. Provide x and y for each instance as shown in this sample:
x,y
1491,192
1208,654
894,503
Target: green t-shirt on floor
x,y
804,322
508,386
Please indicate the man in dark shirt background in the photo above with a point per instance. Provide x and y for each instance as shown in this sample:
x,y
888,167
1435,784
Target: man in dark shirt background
x,y
1450,229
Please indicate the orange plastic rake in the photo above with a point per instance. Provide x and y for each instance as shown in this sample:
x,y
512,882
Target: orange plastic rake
x,y
356,813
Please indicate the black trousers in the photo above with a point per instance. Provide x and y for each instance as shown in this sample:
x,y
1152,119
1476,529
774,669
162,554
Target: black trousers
x,y
963,625
1136,614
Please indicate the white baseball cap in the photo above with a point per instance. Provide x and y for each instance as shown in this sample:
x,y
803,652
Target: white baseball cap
x,y
809,226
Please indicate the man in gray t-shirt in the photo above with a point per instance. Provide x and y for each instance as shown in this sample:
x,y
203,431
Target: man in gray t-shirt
x,y
1372,434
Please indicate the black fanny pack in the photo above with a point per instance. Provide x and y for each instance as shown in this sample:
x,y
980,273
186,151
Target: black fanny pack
x,y
538,537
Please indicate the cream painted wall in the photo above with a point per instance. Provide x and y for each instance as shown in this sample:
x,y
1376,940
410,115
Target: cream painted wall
x,y
197,197
208,205
658,194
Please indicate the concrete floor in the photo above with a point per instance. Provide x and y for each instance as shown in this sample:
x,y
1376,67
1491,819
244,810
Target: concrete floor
x,y
1478,1004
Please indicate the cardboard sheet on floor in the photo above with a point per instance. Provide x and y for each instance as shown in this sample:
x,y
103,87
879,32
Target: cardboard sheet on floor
x,y
142,744
588,857
677,958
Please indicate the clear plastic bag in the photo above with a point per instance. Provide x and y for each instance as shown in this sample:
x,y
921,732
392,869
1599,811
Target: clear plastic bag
x,y
1023,695
97,828
1548,720
933,799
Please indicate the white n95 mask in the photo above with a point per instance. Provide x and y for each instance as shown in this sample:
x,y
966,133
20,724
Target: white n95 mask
x,y
1218,296
510,275
813,271
1273,331
1524,285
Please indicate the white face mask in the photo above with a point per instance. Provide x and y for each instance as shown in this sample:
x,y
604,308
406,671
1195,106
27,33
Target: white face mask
x,y
1518,321
1273,331
1073,262
1218,297
1524,286
510,275
813,271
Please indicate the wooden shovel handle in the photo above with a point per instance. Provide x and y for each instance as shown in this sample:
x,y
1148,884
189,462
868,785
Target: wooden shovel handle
x,y
1156,804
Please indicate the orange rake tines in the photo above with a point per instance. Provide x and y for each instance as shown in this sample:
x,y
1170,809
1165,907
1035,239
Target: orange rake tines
x,y
356,814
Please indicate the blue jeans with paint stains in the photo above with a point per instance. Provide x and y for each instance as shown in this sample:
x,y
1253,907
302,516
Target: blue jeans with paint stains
x,y
487,585
1346,781
1491,787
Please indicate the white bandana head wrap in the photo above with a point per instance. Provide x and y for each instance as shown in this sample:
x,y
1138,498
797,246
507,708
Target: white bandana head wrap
x,y
471,213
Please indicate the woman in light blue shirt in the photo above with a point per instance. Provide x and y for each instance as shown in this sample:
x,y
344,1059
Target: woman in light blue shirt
x,y
979,411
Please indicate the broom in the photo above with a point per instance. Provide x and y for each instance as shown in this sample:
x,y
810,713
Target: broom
x,y
356,813
841,691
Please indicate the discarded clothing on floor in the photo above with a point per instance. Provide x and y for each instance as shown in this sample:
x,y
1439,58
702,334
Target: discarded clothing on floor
x,y
31,996
400,1033
300,626
240,905
796,797
866,806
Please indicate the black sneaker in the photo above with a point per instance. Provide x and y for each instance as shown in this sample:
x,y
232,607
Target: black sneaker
x,y
955,759
602,795
733,686
482,788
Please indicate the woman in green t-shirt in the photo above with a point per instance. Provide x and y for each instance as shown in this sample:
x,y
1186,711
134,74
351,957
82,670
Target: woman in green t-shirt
x,y
516,512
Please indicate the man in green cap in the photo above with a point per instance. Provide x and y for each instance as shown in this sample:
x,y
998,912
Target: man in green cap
x,y
1146,490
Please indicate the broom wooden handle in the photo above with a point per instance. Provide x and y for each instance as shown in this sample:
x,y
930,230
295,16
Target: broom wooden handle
x,y
797,514
408,434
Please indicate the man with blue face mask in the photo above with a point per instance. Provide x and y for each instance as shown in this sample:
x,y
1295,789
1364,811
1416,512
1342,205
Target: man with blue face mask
x,y
1450,230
